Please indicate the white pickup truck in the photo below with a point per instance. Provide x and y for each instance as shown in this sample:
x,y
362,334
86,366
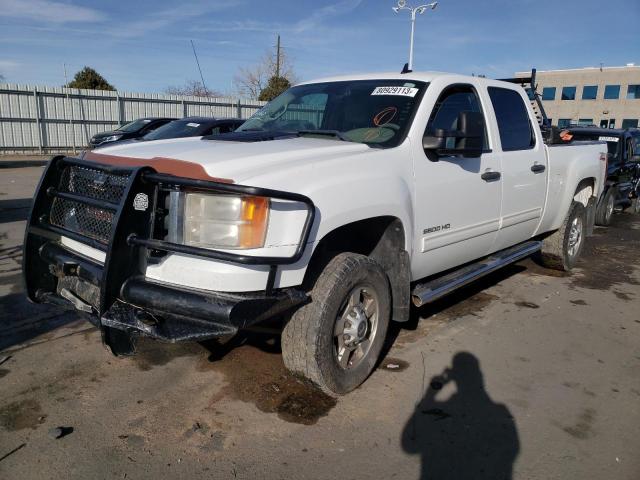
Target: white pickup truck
x,y
335,207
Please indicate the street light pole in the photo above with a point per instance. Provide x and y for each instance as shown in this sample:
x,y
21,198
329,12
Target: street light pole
x,y
402,5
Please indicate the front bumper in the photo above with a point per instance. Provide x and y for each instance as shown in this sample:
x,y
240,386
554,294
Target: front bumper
x,y
164,312
80,204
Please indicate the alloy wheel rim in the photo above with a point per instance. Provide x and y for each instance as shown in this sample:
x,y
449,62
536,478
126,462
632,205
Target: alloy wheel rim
x,y
356,326
610,205
575,236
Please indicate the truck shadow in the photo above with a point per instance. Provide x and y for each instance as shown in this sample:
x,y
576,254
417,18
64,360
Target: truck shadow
x,y
21,321
14,210
467,300
466,436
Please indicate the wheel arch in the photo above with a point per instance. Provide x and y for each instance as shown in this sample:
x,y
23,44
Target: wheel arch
x,y
382,238
585,190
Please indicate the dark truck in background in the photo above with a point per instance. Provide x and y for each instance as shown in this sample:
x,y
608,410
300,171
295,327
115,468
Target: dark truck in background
x,y
622,187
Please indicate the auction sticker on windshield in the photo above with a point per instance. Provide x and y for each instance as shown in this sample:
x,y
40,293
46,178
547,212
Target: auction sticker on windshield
x,y
608,139
402,91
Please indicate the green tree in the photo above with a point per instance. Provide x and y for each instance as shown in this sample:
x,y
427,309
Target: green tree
x,y
275,87
89,78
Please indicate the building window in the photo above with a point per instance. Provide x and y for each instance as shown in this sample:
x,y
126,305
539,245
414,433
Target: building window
x,y
589,92
564,122
549,93
629,123
568,93
604,123
585,121
612,92
612,123
633,92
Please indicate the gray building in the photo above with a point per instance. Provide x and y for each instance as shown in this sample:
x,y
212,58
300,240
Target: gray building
x,y
604,96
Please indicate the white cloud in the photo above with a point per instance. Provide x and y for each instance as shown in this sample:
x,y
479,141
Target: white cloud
x,y
48,11
313,21
164,18
8,65
318,16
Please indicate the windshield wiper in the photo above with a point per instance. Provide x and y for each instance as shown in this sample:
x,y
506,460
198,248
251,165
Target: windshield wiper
x,y
333,133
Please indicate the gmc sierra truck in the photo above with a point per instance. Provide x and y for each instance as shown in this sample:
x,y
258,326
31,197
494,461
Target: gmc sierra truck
x,y
335,207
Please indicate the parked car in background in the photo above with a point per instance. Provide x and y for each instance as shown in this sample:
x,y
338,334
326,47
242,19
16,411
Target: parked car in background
x,y
128,131
622,187
194,127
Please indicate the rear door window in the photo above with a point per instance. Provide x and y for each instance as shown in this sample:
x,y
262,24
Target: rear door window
x,y
514,124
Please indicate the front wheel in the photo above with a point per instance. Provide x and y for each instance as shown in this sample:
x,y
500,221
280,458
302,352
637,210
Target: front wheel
x,y
560,251
336,339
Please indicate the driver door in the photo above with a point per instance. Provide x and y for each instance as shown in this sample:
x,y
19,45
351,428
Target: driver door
x,y
457,199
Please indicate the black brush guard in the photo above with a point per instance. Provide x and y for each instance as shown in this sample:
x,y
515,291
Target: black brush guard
x,y
114,209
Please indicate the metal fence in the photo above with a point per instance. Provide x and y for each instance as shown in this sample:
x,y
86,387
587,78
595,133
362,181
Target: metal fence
x,y
54,119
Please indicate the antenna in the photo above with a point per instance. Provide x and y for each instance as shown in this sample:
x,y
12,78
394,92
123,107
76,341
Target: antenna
x,y
278,58
206,91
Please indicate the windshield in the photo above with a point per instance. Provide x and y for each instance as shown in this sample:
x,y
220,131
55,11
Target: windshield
x,y
176,129
375,112
134,126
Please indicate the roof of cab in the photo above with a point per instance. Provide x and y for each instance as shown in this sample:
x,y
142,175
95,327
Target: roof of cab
x,y
418,76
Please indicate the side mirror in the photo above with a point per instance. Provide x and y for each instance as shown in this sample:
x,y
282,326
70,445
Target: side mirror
x,y
467,141
435,140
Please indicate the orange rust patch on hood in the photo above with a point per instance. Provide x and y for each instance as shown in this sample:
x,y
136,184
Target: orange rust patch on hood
x,y
171,166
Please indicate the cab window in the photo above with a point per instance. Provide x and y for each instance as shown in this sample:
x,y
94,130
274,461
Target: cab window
x,y
453,101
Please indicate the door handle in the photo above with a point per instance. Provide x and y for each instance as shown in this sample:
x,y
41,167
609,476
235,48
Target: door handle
x,y
490,176
537,168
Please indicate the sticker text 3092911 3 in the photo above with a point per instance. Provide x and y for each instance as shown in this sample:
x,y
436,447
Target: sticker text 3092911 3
x,y
402,91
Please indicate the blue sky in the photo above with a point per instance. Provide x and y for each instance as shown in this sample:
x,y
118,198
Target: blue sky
x,y
143,45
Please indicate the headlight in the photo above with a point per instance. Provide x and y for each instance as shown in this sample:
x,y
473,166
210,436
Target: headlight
x,y
225,221
111,138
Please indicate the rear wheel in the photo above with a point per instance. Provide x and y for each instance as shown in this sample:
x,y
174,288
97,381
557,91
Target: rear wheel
x,y
561,250
335,340
606,207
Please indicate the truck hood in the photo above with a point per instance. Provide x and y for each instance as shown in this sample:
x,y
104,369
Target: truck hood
x,y
237,160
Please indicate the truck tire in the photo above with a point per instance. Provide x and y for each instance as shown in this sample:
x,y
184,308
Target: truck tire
x,y
336,339
605,209
561,250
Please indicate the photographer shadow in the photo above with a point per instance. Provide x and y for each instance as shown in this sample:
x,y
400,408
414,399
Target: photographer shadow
x,y
466,436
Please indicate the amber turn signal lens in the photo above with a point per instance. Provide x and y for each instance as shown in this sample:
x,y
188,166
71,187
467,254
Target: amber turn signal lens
x,y
255,216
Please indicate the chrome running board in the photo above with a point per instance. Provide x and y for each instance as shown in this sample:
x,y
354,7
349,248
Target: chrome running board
x,y
431,290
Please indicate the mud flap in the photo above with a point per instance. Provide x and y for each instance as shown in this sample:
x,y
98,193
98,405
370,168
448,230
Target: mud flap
x,y
591,215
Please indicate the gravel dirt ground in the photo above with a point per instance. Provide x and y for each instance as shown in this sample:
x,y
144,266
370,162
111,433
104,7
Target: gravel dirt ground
x,y
527,375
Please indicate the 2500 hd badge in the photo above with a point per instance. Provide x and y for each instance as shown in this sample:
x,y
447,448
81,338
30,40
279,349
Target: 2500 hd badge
x,y
437,228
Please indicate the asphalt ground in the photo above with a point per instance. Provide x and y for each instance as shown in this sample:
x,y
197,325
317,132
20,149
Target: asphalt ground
x,y
527,374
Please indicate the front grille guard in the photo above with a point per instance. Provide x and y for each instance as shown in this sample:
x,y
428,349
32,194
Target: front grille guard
x,y
132,231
